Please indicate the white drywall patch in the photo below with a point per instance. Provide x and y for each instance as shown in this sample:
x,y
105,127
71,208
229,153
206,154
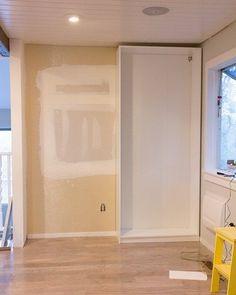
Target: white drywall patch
x,y
77,118
188,275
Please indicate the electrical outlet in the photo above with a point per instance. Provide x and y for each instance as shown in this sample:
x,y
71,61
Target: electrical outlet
x,y
103,207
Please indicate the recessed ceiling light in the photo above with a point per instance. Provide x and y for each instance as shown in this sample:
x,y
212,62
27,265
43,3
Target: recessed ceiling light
x,y
155,10
73,19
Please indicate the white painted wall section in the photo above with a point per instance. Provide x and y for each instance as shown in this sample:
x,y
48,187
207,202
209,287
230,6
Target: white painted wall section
x,y
77,120
160,141
18,141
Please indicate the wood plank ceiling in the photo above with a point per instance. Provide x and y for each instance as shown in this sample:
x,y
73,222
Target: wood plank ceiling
x,y
110,22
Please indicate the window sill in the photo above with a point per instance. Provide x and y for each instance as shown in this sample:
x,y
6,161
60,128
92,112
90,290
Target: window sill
x,y
220,180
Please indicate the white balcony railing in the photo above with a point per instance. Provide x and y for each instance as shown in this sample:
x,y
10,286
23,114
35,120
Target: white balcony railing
x,y
5,182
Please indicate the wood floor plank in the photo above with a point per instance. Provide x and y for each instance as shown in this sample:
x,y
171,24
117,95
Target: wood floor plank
x,y
100,266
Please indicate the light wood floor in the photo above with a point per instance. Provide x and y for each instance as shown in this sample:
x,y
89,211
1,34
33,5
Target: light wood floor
x,y
100,266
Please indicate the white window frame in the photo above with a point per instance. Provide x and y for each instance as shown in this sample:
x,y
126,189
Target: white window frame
x,y
212,85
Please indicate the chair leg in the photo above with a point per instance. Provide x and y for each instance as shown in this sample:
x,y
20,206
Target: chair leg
x,y
231,289
232,279
215,281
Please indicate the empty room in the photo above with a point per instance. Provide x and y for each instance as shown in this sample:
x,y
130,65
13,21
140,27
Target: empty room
x,y
117,147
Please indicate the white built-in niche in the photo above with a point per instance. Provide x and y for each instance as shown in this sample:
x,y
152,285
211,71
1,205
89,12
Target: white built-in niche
x,y
159,143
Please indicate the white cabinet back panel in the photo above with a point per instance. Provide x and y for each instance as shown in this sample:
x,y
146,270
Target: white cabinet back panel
x,y
160,133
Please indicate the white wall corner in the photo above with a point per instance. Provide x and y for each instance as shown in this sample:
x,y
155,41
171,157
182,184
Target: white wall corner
x,y
208,245
18,141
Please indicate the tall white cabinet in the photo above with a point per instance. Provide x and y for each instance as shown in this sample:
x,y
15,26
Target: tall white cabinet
x,y
158,175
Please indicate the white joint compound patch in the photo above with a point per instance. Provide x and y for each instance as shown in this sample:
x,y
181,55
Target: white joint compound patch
x,y
187,275
77,120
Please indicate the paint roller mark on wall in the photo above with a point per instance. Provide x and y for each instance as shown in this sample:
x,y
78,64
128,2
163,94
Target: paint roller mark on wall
x,y
77,131
101,89
93,135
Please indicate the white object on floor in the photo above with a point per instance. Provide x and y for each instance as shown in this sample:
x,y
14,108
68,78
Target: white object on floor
x,y
187,275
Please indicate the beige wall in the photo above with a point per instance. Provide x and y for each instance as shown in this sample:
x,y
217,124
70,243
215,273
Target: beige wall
x,y
218,44
69,204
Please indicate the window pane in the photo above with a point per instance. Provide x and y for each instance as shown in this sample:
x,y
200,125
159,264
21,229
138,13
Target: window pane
x,y
231,71
5,141
5,166
227,122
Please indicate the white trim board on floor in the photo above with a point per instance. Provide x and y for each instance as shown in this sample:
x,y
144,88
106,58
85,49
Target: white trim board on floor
x,y
187,275
160,235
72,235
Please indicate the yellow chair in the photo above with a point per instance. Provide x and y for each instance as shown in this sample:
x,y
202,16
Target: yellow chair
x,y
227,270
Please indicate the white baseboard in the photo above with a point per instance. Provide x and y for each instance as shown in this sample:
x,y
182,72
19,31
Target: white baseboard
x,y
114,234
158,235
72,235
207,245
158,239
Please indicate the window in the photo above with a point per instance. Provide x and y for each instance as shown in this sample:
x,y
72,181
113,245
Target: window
x,y
5,141
220,119
227,116
5,165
